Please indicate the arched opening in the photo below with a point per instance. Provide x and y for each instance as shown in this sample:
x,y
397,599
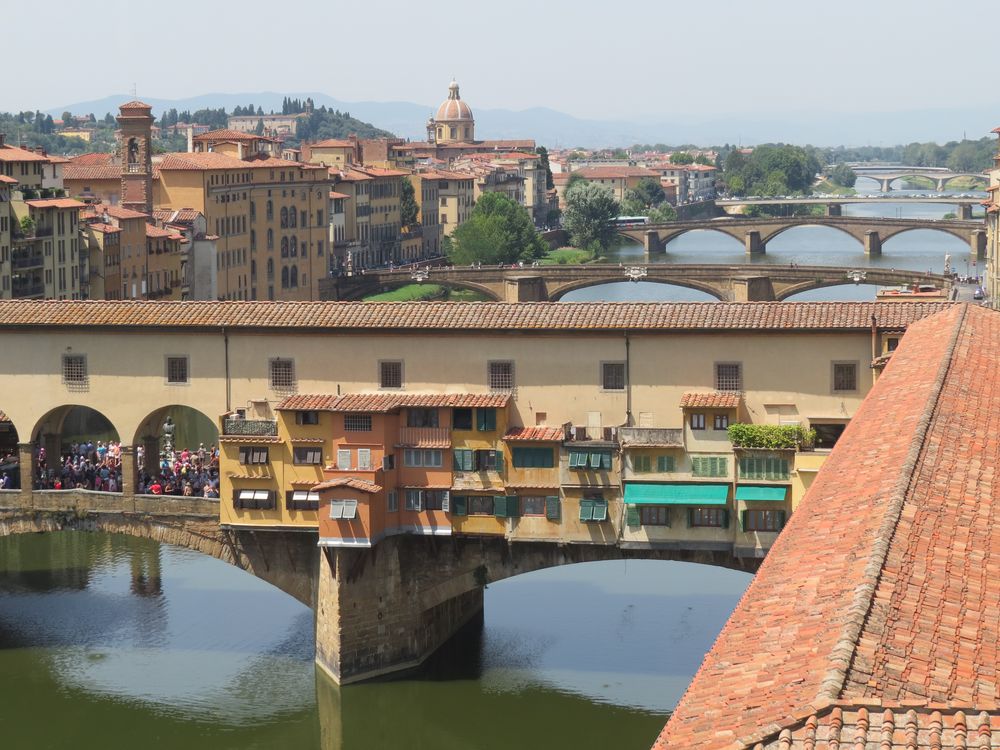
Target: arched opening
x,y
177,449
815,245
642,291
10,474
838,292
76,447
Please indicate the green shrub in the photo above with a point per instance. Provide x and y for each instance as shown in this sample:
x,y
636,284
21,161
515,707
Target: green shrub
x,y
771,436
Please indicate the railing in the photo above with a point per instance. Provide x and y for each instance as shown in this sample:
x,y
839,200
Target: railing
x,y
252,427
28,290
653,436
29,261
425,436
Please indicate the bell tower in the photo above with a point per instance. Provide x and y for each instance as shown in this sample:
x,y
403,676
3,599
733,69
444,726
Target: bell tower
x,y
135,120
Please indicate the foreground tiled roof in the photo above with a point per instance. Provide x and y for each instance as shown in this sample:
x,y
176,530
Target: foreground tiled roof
x,y
535,434
711,400
353,482
74,171
883,590
467,316
385,402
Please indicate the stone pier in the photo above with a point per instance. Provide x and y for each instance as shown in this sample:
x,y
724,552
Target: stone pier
x,y
977,244
753,243
873,243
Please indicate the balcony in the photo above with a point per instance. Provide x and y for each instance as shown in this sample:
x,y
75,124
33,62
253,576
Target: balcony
x,y
250,427
425,437
651,437
21,291
21,262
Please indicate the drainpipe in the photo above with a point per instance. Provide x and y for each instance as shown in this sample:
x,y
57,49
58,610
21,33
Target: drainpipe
x,y
628,382
874,337
229,390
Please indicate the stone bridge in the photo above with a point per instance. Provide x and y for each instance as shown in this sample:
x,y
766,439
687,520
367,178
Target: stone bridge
x,y
941,178
737,283
834,205
756,233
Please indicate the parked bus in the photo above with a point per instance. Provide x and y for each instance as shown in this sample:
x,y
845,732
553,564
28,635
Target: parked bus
x,y
631,221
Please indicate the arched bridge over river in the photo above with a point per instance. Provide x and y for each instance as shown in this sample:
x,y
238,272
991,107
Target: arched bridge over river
x,y
756,233
737,283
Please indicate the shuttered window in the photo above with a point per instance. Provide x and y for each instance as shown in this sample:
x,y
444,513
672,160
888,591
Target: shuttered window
x,y
593,509
763,520
553,511
709,466
764,467
533,458
665,464
708,517
506,506
486,420
307,455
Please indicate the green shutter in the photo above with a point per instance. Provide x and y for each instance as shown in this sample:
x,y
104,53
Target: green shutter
x,y
501,463
513,506
586,509
690,515
552,509
664,464
784,519
632,515
500,506
600,510
486,420
698,466
606,461
743,519
459,505
457,459
595,460
725,518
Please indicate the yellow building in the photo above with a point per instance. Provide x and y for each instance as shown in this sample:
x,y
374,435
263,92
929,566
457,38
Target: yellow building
x,y
456,191
619,180
44,260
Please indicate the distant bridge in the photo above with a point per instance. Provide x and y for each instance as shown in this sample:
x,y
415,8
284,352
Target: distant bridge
x,y
941,177
833,203
736,283
756,233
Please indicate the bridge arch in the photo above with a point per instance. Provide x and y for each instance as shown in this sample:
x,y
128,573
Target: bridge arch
x,y
808,286
57,430
961,234
978,177
561,291
854,234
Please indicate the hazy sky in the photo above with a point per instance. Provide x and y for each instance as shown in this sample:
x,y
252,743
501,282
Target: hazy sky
x,y
590,58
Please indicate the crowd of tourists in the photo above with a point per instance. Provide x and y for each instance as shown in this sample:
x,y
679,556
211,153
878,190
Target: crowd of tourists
x,y
98,466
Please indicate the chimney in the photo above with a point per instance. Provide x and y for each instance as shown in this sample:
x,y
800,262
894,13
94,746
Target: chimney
x,y
190,139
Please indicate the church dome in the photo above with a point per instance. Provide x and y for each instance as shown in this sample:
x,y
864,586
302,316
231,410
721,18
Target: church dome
x,y
453,108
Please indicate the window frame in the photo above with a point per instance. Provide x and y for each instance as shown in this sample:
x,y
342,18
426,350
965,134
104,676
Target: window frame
x,y
359,423
854,365
491,375
538,510
654,515
717,379
81,377
774,520
485,503
696,421
169,359
412,453
705,518
720,422
251,455
382,365
273,383
604,377
301,455
464,427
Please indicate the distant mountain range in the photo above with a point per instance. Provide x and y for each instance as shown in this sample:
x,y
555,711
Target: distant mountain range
x,y
559,130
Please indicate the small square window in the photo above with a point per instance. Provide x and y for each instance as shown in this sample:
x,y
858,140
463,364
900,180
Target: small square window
x,y
307,455
282,374
697,421
720,422
845,376
74,367
500,375
461,418
533,506
729,376
177,370
390,374
307,417
613,376
392,501
357,423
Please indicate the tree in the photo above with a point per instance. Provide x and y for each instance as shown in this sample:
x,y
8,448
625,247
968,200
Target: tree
x,y
681,157
408,204
662,214
67,118
259,129
589,216
702,159
497,231
649,192
544,154
843,175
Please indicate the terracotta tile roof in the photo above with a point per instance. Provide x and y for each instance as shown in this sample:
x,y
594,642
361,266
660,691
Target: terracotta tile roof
x,y
535,434
353,482
897,607
224,134
380,172
57,159
386,402
201,161
97,159
13,153
55,203
172,216
333,143
472,316
334,194
7,180
615,173
135,104
73,171
153,232
104,228
711,400
124,213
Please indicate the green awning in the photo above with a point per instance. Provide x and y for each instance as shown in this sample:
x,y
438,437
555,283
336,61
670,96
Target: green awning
x,y
757,492
676,494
